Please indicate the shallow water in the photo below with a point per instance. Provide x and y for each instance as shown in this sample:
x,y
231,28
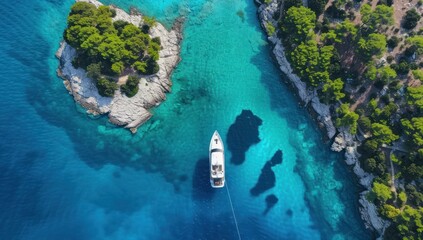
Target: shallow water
x,y
68,176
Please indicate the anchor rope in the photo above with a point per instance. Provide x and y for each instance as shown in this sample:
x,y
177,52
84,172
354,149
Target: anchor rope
x,y
233,211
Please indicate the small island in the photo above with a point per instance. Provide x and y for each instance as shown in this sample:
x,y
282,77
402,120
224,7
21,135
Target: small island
x,y
357,66
117,63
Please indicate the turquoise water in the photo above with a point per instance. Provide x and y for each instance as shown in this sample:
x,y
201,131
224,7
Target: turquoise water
x,y
66,175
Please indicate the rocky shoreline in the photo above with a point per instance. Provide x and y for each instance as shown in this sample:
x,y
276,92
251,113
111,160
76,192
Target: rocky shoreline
x,y
123,111
343,140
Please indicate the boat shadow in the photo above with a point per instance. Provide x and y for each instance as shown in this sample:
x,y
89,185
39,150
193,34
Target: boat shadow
x,y
201,188
242,135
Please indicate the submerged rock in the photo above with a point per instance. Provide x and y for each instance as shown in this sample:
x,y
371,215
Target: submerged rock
x,y
123,111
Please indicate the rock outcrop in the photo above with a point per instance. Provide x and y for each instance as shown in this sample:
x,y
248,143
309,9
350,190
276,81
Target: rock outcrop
x,y
123,111
344,140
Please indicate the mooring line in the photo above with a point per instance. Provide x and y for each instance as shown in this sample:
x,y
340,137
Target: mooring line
x,y
233,211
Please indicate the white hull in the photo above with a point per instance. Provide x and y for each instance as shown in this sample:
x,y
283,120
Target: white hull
x,y
217,161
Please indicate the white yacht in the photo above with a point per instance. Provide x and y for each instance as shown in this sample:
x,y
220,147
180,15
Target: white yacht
x,y
217,161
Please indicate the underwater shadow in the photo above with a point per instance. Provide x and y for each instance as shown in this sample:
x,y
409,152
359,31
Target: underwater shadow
x,y
242,135
271,201
267,178
201,188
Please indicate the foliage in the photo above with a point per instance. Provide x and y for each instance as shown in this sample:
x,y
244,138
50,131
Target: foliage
x,y
150,21
383,134
317,6
414,130
107,48
373,45
347,118
94,70
298,24
381,16
270,28
333,90
418,74
106,88
130,88
393,42
365,124
410,19
414,97
408,224
311,62
403,198
390,211
382,192
418,42
346,29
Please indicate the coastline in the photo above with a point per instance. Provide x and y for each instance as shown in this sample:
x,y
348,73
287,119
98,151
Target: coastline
x,y
342,139
123,111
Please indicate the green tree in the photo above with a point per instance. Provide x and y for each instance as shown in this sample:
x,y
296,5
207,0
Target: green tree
x,y
317,6
130,88
333,90
347,118
414,130
382,192
83,8
416,41
418,74
414,96
346,29
383,134
299,23
106,88
390,211
365,124
382,15
94,70
373,45
410,19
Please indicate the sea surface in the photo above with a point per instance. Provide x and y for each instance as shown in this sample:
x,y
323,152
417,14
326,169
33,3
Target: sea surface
x,y
67,175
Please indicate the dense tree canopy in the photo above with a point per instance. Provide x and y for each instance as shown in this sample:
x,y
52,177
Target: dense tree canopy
x,y
382,15
299,23
414,130
106,48
333,90
383,193
414,97
383,134
347,118
373,45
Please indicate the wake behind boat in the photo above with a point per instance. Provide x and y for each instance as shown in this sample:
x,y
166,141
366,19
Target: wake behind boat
x,y
217,161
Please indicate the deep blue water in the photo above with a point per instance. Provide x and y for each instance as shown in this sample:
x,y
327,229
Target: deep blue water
x,y
64,175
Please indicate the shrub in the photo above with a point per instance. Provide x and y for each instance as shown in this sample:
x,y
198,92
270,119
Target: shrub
x,y
393,42
411,19
390,58
106,88
131,87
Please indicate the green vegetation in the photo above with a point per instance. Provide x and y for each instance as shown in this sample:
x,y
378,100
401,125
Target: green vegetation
x,y
270,29
106,87
131,87
372,94
411,18
108,48
382,192
373,45
347,118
